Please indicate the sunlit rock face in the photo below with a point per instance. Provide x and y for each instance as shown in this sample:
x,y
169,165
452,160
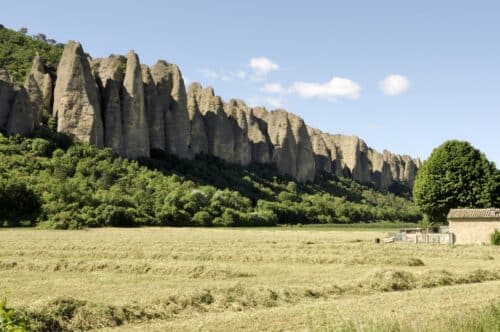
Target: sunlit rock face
x,y
77,107
134,109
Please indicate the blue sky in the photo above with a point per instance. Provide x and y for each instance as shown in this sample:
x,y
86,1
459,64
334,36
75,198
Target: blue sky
x,y
323,60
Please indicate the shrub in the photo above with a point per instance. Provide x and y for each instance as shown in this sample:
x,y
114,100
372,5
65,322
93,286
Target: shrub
x,y
10,320
202,218
495,237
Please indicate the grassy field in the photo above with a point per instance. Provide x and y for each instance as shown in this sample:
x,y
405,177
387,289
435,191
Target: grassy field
x,y
246,279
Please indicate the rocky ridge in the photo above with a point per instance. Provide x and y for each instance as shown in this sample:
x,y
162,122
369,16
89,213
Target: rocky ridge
x,y
119,103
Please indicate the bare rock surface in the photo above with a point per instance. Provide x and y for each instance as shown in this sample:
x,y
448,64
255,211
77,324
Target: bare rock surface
x,y
155,115
198,140
134,120
38,85
109,73
173,104
76,104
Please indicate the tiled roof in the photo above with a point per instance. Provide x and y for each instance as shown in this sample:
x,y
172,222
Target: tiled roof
x,y
474,213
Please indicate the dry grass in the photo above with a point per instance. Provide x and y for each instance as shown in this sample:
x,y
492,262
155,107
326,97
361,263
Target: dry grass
x,y
227,279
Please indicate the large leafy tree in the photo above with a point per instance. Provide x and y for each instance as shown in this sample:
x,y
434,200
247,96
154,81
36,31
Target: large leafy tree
x,y
456,175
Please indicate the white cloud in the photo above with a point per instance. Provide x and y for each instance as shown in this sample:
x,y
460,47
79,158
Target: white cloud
x,y
273,88
241,74
270,102
337,87
262,66
274,102
394,85
209,73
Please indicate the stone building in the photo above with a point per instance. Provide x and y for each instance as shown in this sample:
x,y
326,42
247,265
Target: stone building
x,y
473,226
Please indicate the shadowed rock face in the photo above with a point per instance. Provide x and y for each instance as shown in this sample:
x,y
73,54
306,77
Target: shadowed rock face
x,y
305,163
7,95
284,153
156,117
38,85
354,156
259,140
148,108
173,103
322,155
380,170
219,127
109,73
20,120
198,140
236,111
135,124
76,103
292,151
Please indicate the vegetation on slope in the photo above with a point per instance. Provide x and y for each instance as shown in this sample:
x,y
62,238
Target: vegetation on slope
x,y
48,181
17,50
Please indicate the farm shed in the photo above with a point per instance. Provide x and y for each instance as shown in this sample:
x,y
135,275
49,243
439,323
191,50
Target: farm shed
x,y
473,226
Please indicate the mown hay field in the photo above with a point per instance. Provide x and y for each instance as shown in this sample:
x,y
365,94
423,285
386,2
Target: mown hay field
x,y
159,279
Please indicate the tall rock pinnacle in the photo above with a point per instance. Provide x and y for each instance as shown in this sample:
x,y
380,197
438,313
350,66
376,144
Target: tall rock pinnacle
x,y
76,103
134,120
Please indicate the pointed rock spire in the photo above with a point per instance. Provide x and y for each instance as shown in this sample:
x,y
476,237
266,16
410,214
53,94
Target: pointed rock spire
x,y
38,84
76,103
156,118
109,73
20,120
7,95
173,104
198,141
134,120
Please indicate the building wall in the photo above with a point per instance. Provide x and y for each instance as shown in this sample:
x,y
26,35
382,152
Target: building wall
x,y
473,231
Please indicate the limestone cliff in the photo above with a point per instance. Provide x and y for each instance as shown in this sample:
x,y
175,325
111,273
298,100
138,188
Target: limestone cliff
x,y
38,85
134,120
198,140
120,103
172,101
76,104
109,73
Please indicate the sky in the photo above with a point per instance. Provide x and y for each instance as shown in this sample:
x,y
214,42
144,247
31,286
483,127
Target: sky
x,y
403,75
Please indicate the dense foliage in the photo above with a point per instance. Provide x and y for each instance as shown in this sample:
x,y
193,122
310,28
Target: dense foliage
x,y
456,175
17,50
495,237
12,321
50,182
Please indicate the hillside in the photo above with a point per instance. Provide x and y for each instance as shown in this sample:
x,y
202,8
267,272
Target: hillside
x,y
199,161
50,182
135,109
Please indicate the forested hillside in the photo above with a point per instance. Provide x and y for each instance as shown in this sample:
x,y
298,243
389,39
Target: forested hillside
x,y
17,50
50,181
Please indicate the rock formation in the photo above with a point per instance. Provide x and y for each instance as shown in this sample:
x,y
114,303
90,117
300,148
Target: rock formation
x,y
38,84
109,73
135,124
198,140
236,110
219,127
155,115
322,156
134,109
7,95
172,101
76,103
20,120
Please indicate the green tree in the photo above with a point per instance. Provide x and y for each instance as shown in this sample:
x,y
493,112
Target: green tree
x,y
456,175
